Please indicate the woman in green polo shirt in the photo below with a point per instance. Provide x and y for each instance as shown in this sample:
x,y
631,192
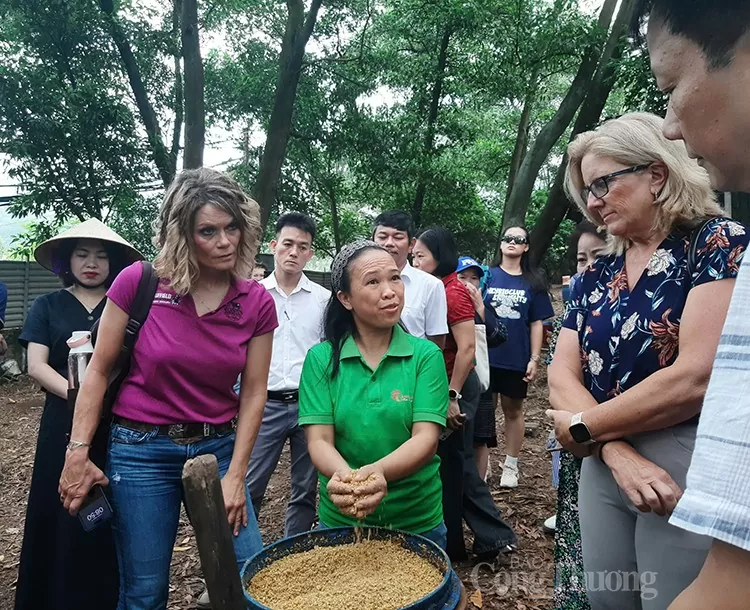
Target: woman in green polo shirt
x,y
374,400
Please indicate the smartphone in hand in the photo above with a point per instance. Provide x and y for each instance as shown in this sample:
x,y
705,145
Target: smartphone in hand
x,y
95,509
552,443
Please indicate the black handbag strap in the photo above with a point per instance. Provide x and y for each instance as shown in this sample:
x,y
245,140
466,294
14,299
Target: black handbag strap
x,y
144,297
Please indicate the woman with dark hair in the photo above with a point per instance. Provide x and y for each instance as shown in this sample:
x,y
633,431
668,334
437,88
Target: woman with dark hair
x,y
465,494
376,460
52,573
588,243
519,296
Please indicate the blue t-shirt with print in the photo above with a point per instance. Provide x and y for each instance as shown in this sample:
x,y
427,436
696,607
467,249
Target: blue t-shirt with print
x,y
517,306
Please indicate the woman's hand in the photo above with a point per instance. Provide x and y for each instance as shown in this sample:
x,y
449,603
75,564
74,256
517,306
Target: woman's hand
x,y
531,371
476,298
649,487
454,419
370,487
233,489
341,491
561,421
79,475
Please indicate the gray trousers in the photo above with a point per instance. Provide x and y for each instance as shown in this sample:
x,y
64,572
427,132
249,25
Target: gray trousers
x,y
636,560
280,422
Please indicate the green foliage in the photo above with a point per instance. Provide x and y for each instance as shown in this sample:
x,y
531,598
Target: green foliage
x,y
64,119
133,219
22,246
364,135
638,90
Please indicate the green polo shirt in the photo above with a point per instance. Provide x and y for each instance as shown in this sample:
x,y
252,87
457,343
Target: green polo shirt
x,y
373,413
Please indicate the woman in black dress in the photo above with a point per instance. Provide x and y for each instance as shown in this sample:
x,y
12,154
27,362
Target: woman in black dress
x,y
63,567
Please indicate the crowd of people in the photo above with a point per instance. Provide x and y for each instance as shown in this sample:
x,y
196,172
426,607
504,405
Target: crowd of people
x,y
379,384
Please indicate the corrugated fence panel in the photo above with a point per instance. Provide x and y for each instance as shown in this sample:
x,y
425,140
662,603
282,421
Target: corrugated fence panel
x,y
25,282
320,277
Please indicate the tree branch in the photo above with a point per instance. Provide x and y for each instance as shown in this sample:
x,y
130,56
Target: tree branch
x,y
159,152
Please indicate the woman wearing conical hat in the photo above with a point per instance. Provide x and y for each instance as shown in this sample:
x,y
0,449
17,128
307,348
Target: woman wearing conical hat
x,y
62,566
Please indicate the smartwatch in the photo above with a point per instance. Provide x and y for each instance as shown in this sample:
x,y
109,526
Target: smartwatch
x,y
453,395
580,431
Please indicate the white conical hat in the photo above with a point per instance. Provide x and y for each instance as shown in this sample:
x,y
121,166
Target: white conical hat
x,y
89,229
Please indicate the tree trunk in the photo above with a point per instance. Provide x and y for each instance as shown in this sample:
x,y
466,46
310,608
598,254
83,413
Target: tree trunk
x,y
296,36
518,202
335,218
195,116
178,94
429,140
159,151
558,206
522,136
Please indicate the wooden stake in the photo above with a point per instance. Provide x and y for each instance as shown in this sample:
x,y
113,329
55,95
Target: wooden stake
x,y
205,505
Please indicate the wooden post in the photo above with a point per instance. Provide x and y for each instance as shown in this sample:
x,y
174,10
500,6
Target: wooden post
x,y
205,504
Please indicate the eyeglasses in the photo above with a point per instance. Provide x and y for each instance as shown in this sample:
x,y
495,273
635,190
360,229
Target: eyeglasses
x,y
600,187
514,239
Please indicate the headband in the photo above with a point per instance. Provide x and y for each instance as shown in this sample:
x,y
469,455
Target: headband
x,y
344,257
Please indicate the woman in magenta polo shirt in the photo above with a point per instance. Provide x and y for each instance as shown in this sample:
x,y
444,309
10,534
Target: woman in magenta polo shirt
x,y
207,325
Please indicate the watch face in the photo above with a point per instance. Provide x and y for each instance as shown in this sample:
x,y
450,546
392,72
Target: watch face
x,y
580,433
452,394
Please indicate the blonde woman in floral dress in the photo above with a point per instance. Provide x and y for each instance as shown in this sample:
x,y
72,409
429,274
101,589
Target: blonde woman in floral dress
x,y
634,356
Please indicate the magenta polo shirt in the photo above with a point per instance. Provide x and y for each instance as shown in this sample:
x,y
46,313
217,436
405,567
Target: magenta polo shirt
x,y
184,366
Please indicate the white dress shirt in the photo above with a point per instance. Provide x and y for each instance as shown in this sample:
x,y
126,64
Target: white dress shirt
x,y
425,311
300,327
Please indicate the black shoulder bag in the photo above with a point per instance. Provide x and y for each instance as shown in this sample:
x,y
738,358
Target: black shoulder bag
x,y
144,297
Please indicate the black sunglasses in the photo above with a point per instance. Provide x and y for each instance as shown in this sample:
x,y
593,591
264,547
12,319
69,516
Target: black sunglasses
x,y
514,239
600,187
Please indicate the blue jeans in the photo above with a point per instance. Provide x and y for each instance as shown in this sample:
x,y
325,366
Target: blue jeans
x,y
145,480
438,535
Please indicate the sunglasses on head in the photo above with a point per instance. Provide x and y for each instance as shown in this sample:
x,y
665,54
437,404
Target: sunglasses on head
x,y
519,240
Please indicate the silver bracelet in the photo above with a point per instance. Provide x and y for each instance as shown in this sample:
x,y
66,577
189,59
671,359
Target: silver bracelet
x,y
73,445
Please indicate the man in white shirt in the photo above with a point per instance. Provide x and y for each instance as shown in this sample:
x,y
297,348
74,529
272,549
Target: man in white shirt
x,y
300,308
425,311
700,55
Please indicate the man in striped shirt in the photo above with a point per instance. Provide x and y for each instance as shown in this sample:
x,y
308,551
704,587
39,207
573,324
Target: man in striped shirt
x,y
700,55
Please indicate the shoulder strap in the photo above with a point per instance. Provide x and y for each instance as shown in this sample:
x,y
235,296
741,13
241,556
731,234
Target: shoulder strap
x,y
144,297
692,259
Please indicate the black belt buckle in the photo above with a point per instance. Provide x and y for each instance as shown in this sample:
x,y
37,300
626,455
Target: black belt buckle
x,y
176,431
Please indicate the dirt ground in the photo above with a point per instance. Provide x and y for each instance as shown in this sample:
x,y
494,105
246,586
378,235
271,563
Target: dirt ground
x,y
522,581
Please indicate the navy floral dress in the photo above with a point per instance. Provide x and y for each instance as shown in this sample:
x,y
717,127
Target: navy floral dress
x,y
625,337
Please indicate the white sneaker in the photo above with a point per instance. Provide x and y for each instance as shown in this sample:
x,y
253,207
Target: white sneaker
x,y
204,603
510,476
489,472
550,525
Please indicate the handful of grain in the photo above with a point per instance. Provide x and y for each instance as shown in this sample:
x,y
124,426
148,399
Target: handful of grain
x,y
370,575
355,511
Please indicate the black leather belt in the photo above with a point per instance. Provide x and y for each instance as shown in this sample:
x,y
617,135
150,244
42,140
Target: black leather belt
x,y
179,431
284,396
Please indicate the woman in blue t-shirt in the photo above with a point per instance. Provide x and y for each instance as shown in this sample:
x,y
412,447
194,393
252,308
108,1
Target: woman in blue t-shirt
x,y
519,296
